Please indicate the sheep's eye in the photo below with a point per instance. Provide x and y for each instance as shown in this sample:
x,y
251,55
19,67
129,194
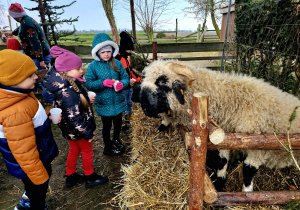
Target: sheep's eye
x,y
161,80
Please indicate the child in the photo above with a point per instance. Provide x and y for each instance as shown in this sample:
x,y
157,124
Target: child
x,y
77,124
126,47
103,74
14,44
26,140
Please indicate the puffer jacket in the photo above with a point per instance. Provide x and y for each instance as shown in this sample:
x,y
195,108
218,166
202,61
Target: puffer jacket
x,y
26,139
108,102
77,122
124,59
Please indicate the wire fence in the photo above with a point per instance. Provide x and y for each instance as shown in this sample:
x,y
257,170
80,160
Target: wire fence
x,y
267,42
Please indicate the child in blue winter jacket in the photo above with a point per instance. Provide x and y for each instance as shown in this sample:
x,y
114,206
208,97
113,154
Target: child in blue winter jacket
x,y
64,81
26,139
107,77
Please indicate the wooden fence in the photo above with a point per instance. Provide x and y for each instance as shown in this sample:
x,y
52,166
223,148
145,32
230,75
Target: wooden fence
x,y
181,36
198,143
85,51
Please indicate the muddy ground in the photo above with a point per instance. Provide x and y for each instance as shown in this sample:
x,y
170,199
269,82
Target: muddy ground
x,y
78,197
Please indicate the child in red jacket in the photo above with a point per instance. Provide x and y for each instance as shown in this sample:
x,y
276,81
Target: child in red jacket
x,y
125,50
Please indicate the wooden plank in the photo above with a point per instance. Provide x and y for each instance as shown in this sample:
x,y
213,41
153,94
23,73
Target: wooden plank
x,y
255,141
78,49
161,47
87,60
256,198
184,47
245,140
202,58
90,59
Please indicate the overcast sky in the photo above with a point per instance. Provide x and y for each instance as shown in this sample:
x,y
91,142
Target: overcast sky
x,y
92,16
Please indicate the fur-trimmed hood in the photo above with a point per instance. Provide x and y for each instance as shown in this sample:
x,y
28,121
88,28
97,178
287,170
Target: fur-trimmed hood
x,y
102,40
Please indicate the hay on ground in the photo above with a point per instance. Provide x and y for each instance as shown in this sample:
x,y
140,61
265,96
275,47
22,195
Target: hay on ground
x,y
158,173
157,176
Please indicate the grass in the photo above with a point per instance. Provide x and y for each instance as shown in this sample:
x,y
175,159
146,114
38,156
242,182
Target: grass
x,y
87,38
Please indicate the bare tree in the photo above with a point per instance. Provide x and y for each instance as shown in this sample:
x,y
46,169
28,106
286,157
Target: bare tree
x,y
132,11
2,13
108,8
150,14
203,7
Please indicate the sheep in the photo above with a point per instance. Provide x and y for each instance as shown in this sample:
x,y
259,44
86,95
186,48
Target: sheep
x,y
3,38
238,103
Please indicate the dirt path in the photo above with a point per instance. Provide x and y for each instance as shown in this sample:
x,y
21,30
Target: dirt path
x,y
77,197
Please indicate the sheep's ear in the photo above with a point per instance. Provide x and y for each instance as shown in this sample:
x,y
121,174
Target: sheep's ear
x,y
183,70
178,88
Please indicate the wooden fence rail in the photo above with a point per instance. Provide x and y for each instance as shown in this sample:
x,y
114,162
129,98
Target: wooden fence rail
x,y
85,51
199,146
161,47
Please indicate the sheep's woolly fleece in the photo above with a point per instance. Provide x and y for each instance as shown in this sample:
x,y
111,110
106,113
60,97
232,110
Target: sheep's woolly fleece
x,y
237,103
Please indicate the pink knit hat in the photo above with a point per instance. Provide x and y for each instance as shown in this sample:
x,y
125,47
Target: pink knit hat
x,y
16,10
65,60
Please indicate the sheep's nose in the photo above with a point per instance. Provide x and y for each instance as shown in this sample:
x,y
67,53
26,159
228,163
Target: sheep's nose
x,y
147,104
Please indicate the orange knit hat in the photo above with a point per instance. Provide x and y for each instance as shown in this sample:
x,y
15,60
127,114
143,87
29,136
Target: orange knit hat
x,y
15,67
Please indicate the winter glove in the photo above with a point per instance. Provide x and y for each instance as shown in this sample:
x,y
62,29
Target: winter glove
x,y
118,86
108,83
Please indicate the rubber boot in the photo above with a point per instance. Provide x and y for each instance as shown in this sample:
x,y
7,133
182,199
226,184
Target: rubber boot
x,y
95,180
119,144
111,149
73,179
126,124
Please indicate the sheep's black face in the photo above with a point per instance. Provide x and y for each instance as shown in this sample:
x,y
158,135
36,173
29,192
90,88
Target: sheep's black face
x,y
155,102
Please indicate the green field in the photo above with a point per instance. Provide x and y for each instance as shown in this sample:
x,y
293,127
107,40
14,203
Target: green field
x,y
87,38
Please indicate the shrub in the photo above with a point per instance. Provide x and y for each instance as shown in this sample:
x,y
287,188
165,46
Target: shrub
x,y
160,35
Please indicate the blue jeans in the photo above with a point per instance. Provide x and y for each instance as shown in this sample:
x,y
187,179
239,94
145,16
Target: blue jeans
x,y
47,97
128,93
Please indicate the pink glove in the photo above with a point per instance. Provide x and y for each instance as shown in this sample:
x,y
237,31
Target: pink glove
x,y
119,86
108,83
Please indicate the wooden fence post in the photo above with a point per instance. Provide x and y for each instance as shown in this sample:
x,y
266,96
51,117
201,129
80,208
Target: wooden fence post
x,y
9,21
199,150
154,50
176,30
198,32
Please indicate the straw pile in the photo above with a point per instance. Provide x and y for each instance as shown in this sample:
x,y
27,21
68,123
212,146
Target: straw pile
x,y
157,175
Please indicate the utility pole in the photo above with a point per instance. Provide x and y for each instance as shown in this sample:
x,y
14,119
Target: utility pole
x,y
225,39
133,19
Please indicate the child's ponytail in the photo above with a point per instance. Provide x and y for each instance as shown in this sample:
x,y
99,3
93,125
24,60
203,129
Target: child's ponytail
x,y
83,100
113,64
